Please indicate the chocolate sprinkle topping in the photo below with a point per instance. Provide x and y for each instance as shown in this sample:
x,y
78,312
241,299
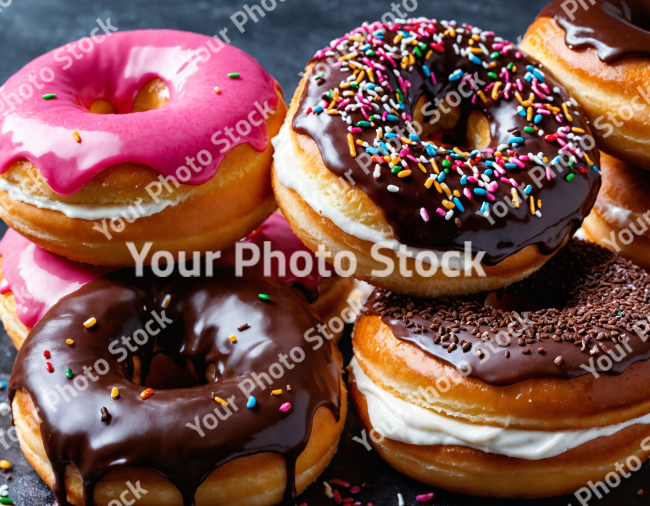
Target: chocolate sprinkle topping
x,y
581,299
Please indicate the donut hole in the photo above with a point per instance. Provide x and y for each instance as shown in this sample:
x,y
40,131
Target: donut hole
x,y
520,301
478,131
167,373
154,94
442,126
101,106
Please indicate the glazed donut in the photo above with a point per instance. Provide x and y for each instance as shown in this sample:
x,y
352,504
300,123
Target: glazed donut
x,y
620,218
601,55
421,182
529,391
84,185
229,345
32,279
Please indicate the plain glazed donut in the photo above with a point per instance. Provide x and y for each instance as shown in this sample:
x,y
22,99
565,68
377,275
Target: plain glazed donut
x,y
601,54
83,185
492,395
620,219
364,158
143,410
32,279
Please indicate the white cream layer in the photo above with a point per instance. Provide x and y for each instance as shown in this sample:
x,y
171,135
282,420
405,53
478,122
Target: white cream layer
x,y
396,419
290,173
86,212
614,214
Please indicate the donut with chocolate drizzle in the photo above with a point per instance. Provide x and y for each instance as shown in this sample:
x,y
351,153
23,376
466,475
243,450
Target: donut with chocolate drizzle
x,y
600,51
453,120
195,318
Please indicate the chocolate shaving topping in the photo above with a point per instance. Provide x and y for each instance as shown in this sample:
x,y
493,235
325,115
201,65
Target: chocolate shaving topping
x,y
582,298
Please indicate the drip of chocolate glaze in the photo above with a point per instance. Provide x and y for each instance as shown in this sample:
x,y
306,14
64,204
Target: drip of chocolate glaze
x,y
565,204
152,433
617,29
571,289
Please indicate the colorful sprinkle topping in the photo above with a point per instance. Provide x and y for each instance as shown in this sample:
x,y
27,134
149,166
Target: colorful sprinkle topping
x,y
285,407
264,297
146,393
90,322
369,100
234,75
49,96
68,373
251,402
115,393
76,136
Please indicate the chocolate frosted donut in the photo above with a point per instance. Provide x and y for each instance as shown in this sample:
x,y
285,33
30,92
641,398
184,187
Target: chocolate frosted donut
x,y
585,295
600,51
216,339
429,135
527,392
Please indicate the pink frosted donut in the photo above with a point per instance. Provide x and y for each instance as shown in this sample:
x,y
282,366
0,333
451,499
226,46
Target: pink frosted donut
x,y
33,279
123,145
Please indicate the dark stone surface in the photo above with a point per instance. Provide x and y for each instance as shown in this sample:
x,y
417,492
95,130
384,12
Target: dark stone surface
x,y
283,42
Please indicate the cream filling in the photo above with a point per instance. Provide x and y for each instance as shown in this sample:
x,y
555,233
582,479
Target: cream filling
x,y
87,212
619,216
396,419
290,173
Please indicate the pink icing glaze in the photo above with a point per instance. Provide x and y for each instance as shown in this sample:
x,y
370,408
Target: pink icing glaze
x,y
191,65
276,230
39,279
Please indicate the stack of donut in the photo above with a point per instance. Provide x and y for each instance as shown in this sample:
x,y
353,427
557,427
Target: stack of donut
x,y
501,356
498,355
192,387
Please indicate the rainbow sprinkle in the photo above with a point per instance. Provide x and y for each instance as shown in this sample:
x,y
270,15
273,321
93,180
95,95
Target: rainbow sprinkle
x,y
366,100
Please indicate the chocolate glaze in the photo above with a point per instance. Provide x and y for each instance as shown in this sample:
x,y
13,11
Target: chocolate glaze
x,y
564,204
581,277
617,29
152,433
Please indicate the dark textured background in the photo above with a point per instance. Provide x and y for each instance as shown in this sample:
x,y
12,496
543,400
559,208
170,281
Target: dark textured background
x,y
283,42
